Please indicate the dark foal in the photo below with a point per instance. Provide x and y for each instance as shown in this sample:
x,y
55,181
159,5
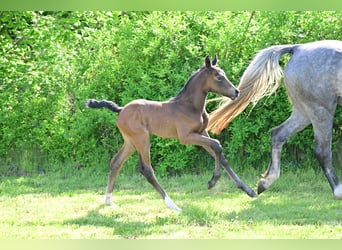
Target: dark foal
x,y
182,117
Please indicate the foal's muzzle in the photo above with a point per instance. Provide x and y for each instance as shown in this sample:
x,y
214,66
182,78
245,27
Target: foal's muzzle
x,y
235,95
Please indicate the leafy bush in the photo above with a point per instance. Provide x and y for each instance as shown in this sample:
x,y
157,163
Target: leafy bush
x,y
52,61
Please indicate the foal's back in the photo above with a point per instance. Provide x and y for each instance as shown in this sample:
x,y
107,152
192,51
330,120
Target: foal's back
x,y
145,116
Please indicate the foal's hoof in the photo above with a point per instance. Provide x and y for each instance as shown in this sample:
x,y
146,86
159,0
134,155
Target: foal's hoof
x,y
213,180
252,194
108,200
211,184
338,192
170,204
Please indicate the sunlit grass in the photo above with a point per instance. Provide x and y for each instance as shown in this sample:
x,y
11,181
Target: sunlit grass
x,y
299,205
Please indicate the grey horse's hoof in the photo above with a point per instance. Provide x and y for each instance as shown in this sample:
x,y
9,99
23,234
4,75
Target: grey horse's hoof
x,y
261,187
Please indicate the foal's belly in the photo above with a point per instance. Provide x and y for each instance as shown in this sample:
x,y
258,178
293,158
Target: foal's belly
x,y
164,130
155,117
161,123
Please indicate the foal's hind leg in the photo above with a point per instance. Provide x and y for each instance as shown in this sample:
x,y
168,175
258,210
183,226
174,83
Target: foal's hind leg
x,y
295,123
142,145
115,166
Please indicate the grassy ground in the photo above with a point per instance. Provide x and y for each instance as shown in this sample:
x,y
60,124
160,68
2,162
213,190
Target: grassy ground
x,y
299,205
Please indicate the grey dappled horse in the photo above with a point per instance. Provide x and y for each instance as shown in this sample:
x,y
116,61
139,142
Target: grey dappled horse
x,y
182,117
313,80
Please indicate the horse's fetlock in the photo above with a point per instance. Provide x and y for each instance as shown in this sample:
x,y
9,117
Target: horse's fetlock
x,y
217,172
147,172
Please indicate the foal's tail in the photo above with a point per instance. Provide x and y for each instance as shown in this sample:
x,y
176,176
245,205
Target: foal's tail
x,y
261,78
92,103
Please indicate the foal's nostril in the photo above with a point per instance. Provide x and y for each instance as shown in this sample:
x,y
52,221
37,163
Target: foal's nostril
x,y
234,94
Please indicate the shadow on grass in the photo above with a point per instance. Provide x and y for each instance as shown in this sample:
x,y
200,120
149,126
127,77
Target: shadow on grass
x,y
292,201
295,208
274,209
121,224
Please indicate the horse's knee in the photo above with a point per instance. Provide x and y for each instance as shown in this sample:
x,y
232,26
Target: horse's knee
x,y
323,153
278,138
216,146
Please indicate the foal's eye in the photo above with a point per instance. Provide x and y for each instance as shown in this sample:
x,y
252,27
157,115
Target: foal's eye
x,y
218,77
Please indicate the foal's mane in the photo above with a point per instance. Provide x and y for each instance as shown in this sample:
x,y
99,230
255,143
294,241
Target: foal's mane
x,y
186,85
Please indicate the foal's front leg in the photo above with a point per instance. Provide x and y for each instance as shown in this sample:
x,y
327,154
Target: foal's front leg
x,y
215,146
217,170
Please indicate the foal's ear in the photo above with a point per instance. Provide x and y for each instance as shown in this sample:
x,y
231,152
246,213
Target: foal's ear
x,y
214,62
207,62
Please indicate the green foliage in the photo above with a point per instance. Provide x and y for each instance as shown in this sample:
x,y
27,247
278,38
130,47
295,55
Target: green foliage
x,y
50,62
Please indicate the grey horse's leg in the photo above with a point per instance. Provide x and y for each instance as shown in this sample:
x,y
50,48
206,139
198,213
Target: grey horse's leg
x,y
322,124
294,124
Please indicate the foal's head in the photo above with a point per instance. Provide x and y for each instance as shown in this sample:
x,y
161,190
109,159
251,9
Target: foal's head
x,y
217,80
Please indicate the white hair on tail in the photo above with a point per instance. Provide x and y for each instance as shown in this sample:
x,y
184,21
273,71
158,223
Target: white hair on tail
x,y
261,78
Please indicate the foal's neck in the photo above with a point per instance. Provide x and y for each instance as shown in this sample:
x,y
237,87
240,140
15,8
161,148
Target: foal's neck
x,y
193,93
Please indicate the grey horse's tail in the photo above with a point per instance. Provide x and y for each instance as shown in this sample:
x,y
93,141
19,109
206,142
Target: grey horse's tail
x,y
92,103
261,78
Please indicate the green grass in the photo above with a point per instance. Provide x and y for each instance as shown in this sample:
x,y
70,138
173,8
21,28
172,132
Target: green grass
x,y
299,205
